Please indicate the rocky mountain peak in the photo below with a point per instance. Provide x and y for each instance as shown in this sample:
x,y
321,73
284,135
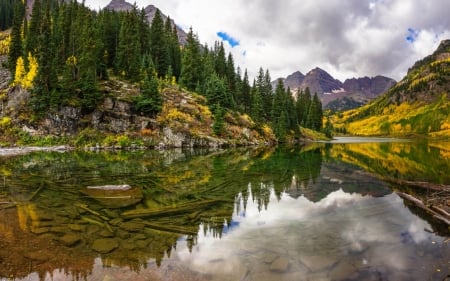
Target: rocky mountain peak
x,y
319,81
119,5
150,11
352,93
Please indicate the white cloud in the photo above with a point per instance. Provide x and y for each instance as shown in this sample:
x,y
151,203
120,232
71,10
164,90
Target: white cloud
x,y
346,38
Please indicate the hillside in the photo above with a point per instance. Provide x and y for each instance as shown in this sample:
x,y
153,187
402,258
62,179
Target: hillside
x,y
337,95
418,104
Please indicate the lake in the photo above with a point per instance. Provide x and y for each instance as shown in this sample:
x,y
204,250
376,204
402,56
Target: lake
x,y
324,211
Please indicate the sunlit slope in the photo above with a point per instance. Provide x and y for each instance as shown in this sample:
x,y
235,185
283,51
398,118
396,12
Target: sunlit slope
x,y
418,104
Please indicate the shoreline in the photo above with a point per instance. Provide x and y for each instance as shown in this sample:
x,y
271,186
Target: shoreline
x,y
13,151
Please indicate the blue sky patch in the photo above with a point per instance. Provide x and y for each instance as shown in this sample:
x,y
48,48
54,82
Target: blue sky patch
x,y
412,35
225,37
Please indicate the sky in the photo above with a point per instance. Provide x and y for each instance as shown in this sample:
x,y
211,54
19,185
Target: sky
x,y
346,38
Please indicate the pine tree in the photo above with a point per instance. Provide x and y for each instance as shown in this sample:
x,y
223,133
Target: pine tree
x,y
219,123
128,55
256,104
150,101
31,40
315,114
89,63
175,53
46,78
158,45
191,67
246,96
6,14
15,48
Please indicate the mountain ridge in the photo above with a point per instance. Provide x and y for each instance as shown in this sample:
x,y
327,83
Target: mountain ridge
x,y
150,11
417,105
333,93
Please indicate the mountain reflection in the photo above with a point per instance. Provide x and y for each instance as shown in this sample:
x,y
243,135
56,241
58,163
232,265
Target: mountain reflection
x,y
313,196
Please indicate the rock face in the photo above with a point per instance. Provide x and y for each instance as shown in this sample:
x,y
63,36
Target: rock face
x,y
320,82
119,6
150,10
356,91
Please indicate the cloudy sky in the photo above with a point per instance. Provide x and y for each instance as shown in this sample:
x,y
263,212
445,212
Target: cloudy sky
x,y
347,38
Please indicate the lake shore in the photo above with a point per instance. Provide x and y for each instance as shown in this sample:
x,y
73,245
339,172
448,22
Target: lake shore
x,y
12,151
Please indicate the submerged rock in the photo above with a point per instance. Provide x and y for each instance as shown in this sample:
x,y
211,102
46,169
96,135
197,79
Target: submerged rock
x,y
70,240
105,245
114,196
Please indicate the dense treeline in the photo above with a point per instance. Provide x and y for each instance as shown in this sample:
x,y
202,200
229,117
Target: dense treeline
x,y
66,49
6,13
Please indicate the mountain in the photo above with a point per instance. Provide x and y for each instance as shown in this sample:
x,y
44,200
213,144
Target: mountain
x,y
333,93
150,10
418,104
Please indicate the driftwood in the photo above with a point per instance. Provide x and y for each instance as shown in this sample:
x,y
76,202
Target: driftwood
x,y
141,213
421,184
171,228
443,217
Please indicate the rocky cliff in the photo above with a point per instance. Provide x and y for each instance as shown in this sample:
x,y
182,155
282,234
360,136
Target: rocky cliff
x,y
185,120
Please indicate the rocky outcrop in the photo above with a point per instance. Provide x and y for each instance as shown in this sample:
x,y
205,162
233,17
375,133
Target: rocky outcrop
x,y
119,6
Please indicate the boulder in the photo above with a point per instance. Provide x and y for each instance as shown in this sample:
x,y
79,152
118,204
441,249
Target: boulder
x,y
114,196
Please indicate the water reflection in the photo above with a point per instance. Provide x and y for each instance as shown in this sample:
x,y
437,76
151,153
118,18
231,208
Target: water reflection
x,y
341,237
242,214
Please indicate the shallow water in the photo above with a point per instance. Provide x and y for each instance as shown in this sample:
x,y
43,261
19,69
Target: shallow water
x,y
324,212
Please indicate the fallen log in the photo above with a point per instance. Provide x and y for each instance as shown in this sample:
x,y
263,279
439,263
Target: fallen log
x,y
421,205
141,213
171,228
421,184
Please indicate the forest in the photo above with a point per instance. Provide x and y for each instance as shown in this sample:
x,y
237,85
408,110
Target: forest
x,y
63,50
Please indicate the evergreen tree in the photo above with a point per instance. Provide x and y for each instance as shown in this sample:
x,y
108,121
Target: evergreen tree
x,y
150,101
219,123
158,45
175,53
46,79
246,95
31,40
315,114
6,14
256,104
220,60
15,49
128,55
90,63
231,80
191,67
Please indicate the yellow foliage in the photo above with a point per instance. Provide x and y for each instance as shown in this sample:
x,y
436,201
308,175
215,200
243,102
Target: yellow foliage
x,y
23,78
267,130
5,41
175,114
5,123
20,71
71,61
32,72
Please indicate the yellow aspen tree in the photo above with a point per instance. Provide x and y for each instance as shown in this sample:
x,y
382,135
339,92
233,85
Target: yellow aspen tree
x,y
20,72
32,72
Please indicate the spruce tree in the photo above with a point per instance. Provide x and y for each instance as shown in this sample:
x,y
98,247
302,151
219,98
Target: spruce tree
x,y
191,67
150,101
15,49
158,45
